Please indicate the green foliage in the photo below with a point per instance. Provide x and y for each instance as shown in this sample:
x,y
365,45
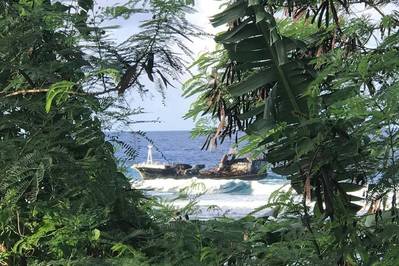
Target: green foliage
x,y
156,50
63,199
314,100
312,94
58,91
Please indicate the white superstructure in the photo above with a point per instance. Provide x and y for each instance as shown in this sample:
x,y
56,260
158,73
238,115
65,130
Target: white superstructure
x,y
149,154
150,163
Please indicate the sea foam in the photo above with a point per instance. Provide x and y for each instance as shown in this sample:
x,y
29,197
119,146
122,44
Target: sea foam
x,y
216,197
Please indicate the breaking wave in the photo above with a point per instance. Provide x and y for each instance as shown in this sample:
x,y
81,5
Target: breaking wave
x,y
233,197
211,186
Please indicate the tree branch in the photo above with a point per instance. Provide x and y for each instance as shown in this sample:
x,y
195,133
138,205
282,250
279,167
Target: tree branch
x,y
35,91
28,79
23,92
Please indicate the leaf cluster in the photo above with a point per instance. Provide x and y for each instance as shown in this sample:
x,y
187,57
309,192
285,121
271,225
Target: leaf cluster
x,y
314,100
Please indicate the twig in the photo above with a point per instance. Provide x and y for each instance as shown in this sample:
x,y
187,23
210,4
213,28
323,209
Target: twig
x,y
375,8
27,78
18,226
103,92
35,91
306,219
23,92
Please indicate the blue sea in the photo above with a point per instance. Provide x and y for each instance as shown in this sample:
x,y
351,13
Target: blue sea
x,y
214,198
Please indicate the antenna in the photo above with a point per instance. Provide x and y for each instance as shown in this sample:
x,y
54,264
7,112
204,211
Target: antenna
x,y
149,154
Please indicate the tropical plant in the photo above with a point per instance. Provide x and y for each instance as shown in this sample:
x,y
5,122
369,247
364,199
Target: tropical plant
x,y
63,199
311,99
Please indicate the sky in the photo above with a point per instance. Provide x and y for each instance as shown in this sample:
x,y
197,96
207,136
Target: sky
x,y
171,111
171,114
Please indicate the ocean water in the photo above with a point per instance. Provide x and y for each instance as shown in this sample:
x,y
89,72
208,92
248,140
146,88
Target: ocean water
x,y
233,198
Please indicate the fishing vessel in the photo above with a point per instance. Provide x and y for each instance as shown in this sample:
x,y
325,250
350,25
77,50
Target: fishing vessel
x,y
229,168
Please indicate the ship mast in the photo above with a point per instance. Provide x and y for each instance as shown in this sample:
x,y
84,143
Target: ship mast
x,y
149,154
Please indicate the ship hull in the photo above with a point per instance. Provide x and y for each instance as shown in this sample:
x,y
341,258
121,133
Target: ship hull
x,y
147,173
246,177
241,168
170,173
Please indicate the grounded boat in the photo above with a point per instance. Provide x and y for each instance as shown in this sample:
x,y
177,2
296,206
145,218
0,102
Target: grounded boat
x,y
240,168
